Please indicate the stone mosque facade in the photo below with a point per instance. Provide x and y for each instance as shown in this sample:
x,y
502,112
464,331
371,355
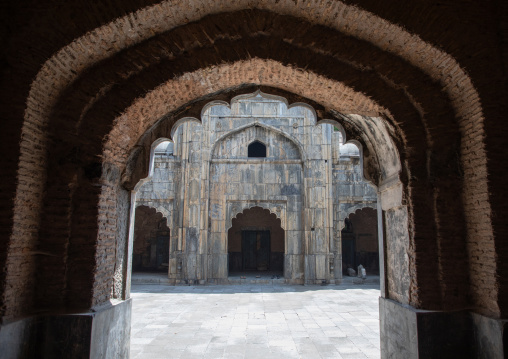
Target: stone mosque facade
x,y
255,185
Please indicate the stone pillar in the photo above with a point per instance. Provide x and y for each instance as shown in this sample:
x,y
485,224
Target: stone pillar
x,y
102,333
408,333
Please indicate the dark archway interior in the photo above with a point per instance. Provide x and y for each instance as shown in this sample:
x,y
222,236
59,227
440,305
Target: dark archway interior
x,y
256,242
150,251
360,241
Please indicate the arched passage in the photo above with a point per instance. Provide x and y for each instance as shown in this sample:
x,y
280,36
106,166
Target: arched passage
x,y
150,248
256,242
359,239
75,182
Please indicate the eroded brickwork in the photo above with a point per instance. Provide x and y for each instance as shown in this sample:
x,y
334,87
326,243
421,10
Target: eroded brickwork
x,y
63,81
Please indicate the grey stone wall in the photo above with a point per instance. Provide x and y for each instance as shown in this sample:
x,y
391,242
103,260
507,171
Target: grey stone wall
x,y
408,333
275,183
309,179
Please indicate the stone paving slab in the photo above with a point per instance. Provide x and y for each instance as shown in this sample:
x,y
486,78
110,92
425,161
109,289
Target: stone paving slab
x,y
255,321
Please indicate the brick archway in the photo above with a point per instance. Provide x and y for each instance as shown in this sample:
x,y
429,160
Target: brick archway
x,y
113,135
76,104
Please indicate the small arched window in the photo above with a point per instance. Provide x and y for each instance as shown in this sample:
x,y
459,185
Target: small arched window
x,y
164,149
257,149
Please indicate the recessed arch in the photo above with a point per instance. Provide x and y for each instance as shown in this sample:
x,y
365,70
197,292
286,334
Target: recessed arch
x,y
356,208
293,140
241,207
151,238
359,237
256,241
164,212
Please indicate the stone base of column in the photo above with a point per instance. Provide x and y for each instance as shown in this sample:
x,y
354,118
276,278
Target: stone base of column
x,y
104,333
411,333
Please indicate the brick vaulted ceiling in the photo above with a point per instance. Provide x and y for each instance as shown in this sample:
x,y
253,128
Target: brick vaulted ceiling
x,y
85,83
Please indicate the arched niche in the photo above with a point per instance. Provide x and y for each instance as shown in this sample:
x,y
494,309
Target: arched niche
x,y
256,242
150,240
359,238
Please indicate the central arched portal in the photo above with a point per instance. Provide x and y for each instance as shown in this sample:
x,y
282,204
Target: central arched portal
x,y
256,243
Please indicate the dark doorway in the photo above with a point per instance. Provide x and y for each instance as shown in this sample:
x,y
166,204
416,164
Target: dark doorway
x,y
256,250
360,241
256,243
348,252
151,241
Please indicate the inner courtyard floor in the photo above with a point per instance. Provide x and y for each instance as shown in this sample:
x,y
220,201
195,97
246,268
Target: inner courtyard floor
x,y
255,321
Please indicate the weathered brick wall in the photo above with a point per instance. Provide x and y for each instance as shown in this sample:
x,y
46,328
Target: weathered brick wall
x,y
428,90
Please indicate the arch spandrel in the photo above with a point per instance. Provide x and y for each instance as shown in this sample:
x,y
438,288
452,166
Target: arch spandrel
x,y
295,146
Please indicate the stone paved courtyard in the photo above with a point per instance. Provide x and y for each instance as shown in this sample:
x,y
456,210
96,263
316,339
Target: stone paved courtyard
x,y
255,321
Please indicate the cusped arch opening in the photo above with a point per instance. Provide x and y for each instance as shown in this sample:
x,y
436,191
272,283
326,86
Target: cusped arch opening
x,y
161,149
150,247
164,149
256,244
360,242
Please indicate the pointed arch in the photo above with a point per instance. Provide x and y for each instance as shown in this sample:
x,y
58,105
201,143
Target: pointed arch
x,y
257,149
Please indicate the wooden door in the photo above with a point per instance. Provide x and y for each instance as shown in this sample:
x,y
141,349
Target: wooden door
x,y
348,251
256,250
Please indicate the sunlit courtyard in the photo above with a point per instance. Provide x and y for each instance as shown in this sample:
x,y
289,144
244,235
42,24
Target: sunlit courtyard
x,y
255,321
